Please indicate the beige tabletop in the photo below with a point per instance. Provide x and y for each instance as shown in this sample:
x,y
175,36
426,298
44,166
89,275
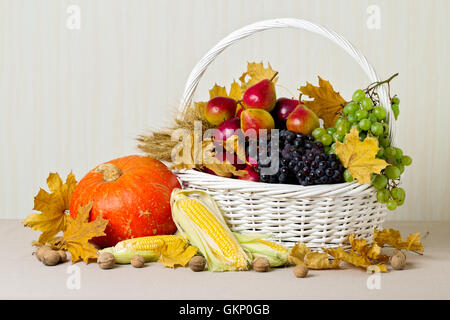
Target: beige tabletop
x,y
23,277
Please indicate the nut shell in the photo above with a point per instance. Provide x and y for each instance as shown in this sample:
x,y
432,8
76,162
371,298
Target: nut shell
x,y
40,252
62,255
197,263
106,260
300,271
397,260
137,261
50,258
261,264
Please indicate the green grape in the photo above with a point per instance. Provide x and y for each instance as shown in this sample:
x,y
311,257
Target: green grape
x,y
401,167
358,95
326,148
318,132
386,128
343,128
330,131
379,112
376,128
331,151
392,172
339,121
390,152
350,108
380,182
398,193
347,176
383,196
372,118
395,100
338,137
380,153
390,160
361,114
326,139
391,205
333,146
365,124
400,202
406,160
367,103
384,141
396,110
398,153
352,118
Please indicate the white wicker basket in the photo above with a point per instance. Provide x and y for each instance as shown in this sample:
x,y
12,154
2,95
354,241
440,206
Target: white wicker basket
x,y
321,215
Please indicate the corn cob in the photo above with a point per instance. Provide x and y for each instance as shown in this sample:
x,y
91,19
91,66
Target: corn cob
x,y
148,247
255,246
199,220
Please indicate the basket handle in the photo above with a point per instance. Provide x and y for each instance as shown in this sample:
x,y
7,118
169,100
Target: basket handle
x,y
200,68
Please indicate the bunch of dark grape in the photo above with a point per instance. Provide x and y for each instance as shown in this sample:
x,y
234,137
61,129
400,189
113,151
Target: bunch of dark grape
x,y
301,161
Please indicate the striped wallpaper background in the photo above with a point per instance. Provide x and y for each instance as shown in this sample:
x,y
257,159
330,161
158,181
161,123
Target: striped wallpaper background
x,y
73,98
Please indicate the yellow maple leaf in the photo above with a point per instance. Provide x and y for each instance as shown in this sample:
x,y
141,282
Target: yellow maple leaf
x,y
359,157
177,253
393,238
218,91
77,234
361,254
188,156
301,254
52,206
326,104
255,73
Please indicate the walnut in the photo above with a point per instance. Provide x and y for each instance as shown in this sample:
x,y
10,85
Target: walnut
x,y
300,271
137,261
50,258
62,255
261,264
106,260
397,260
197,263
40,252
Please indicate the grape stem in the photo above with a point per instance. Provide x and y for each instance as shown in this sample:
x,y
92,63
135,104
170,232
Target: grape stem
x,y
374,85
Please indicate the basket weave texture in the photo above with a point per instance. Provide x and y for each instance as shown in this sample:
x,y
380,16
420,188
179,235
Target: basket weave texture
x,y
319,216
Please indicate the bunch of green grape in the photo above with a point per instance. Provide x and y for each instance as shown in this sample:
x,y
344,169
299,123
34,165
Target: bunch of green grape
x,y
371,120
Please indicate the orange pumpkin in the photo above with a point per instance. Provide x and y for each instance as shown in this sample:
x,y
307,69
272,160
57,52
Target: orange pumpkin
x,y
132,193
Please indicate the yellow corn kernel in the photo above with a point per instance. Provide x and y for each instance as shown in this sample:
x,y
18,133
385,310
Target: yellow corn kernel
x,y
151,243
203,218
273,245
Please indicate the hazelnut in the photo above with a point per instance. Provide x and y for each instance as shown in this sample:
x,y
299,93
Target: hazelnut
x,y
197,263
62,255
51,258
300,271
261,264
106,260
40,252
137,261
397,260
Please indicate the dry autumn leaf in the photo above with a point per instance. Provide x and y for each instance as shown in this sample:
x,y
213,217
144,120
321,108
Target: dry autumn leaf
x,y
255,73
52,206
77,234
326,103
218,91
187,156
361,254
393,238
177,254
301,254
359,157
